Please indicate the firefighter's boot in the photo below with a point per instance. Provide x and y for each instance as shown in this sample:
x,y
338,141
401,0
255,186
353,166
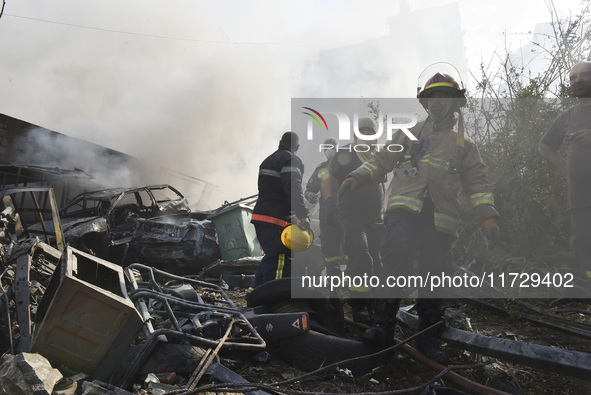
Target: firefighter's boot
x,y
359,310
428,342
333,270
382,331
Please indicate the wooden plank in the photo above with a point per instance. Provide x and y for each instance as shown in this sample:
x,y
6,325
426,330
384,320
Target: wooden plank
x,y
552,321
570,363
22,298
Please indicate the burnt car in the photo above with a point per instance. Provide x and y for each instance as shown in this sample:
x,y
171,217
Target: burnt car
x,y
103,222
179,244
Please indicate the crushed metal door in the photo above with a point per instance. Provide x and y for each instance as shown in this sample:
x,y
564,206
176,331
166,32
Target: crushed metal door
x,y
90,323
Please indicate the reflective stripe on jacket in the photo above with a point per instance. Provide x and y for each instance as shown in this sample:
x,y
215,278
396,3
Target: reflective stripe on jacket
x,y
280,189
434,176
270,220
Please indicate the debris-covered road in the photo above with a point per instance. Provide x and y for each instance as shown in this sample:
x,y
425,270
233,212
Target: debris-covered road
x,y
74,322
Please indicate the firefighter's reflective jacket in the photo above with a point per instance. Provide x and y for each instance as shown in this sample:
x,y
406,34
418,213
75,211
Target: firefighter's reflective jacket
x,y
280,189
443,164
320,173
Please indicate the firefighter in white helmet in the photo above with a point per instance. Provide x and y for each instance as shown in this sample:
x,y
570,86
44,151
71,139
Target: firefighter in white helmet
x,y
422,209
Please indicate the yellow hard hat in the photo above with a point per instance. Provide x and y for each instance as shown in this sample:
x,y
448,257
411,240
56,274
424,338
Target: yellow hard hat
x,y
296,238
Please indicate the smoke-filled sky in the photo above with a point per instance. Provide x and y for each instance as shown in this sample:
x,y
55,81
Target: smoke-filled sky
x,y
204,87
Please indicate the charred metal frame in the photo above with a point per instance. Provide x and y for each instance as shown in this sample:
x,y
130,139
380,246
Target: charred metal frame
x,y
38,201
209,301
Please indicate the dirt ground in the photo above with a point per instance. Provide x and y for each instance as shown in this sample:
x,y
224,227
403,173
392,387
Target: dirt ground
x,y
404,372
488,322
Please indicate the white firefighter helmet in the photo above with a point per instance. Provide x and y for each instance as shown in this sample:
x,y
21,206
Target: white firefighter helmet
x,y
441,76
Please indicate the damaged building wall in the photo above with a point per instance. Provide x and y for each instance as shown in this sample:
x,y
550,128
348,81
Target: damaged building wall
x,y
66,183
31,145
72,165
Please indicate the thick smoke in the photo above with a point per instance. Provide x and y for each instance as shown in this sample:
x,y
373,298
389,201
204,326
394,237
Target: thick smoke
x,y
203,88
40,147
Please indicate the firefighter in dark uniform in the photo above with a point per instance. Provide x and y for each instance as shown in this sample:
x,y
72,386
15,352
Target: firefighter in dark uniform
x,y
280,202
360,216
330,234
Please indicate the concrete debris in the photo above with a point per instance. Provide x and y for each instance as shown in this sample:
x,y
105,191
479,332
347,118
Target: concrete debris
x,y
26,374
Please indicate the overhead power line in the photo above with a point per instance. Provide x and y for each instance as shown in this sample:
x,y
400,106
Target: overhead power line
x,y
155,35
117,31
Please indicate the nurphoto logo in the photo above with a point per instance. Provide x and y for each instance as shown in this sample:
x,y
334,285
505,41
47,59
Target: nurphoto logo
x,y
346,129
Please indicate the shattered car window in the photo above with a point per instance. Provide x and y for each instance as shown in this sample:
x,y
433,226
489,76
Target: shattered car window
x,y
165,195
129,198
86,207
144,201
169,201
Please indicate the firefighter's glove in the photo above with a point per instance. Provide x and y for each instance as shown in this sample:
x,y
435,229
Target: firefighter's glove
x,y
311,197
491,230
304,223
332,212
349,184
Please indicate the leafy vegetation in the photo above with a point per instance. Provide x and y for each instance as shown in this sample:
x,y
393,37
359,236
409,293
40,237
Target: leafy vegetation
x,y
507,114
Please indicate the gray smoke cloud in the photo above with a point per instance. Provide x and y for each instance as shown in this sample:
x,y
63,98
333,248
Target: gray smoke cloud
x,y
204,88
38,147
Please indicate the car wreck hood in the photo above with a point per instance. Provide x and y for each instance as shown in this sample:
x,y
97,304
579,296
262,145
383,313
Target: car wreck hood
x,y
71,225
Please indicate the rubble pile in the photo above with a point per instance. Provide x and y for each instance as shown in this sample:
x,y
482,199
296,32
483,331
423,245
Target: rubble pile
x,y
72,322
27,373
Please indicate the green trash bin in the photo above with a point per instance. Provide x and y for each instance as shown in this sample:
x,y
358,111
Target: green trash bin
x,y
236,235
